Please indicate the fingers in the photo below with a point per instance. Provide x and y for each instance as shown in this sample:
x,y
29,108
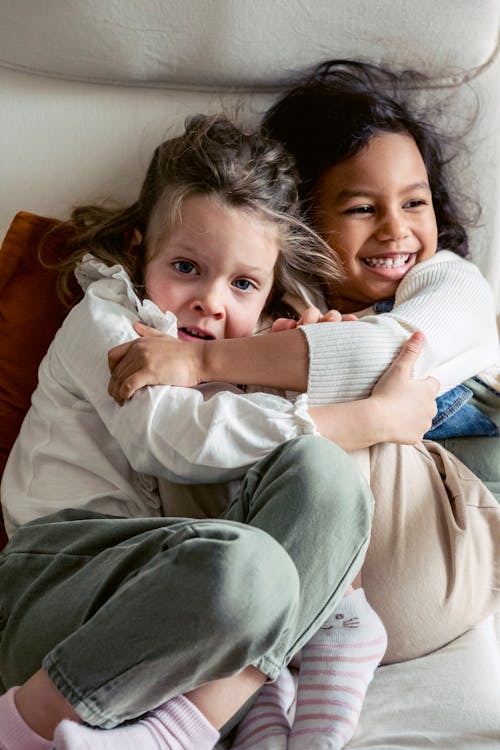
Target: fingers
x,y
283,324
146,331
413,346
124,388
310,315
126,378
332,316
409,354
349,316
116,354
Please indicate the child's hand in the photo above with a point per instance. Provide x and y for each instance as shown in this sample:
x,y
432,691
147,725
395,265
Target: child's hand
x,y
152,359
406,406
310,315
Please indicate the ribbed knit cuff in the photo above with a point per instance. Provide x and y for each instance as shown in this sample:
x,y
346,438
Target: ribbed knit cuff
x,y
14,732
187,723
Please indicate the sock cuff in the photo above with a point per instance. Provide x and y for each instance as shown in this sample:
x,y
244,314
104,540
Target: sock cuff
x,y
201,733
15,728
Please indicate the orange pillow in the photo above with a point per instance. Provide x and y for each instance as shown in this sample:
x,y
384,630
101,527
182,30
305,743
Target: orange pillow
x,y
30,314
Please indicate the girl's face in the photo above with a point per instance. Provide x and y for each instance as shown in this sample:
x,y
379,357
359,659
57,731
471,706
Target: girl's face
x,y
214,270
375,211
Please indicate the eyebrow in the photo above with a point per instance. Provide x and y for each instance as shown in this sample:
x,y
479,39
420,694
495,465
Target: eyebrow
x,y
359,192
253,269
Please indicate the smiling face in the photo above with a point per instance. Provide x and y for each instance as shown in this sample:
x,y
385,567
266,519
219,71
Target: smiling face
x,y
375,211
214,269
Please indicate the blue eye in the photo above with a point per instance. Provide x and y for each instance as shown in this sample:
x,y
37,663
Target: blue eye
x,y
184,266
244,284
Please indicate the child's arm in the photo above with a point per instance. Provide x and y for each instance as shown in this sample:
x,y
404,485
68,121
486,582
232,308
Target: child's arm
x,y
400,409
397,411
160,361
445,297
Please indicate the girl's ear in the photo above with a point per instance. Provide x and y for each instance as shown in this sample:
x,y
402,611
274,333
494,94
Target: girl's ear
x,y
133,257
132,242
135,239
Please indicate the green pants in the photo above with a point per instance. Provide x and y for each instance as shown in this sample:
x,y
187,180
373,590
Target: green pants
x,y
125,613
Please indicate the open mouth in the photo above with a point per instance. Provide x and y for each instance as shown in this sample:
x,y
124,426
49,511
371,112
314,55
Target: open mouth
x,y
393,261
194,333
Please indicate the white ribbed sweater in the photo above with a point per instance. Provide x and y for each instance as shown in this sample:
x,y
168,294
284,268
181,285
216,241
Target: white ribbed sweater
x,y
445,297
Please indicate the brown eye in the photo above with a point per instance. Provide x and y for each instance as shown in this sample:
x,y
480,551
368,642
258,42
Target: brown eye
x,y
415,203
360,210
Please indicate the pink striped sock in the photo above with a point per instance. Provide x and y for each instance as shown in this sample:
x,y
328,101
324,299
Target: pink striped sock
x,y
266,725
177,725
337,665
15,734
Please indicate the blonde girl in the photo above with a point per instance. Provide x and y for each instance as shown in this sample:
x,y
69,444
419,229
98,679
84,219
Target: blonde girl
x,y
123,628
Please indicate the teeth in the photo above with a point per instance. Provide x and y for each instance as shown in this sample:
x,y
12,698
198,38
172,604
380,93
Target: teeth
x,y
395,261
197,334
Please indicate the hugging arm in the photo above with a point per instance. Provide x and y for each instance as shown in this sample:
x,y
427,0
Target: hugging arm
x,y
399,409
446,298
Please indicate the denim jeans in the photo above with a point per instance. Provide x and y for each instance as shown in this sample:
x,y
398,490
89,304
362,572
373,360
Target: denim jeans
x,y
458,418
125,613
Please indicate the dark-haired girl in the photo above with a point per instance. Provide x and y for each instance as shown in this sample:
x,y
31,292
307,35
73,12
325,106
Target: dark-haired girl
x,y
374,179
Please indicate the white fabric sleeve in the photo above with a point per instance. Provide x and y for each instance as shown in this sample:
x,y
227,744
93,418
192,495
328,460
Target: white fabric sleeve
x,y
445,297
165,430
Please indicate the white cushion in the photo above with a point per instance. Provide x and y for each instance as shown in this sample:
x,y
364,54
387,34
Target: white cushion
x,y
250,43
448,700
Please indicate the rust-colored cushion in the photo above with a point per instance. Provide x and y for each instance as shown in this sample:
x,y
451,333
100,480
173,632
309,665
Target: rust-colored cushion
x,y
30,314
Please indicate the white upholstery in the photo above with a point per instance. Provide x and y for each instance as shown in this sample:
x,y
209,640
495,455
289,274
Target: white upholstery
x,y
448,700
64,140
251,43
89,87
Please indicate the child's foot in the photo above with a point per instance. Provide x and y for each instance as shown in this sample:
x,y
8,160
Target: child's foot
x,y
177,725
15,734
336,668
266,726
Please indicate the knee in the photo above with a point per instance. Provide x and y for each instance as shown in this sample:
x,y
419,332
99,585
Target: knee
x,y
326,480
256,595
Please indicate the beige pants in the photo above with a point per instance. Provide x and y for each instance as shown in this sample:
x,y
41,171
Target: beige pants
x,y
432,568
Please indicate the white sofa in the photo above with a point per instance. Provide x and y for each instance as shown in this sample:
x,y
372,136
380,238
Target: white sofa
x,y
88,88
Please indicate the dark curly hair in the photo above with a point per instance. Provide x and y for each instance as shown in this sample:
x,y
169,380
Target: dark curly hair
x,y
331,115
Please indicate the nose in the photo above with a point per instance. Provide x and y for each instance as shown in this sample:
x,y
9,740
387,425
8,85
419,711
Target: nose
x,y
210,301
393,226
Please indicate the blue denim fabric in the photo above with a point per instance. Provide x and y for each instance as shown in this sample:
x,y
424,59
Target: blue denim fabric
x,y
384,305
466,420
455,417
449,403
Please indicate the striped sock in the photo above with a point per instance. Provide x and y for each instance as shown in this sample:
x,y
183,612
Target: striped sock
x,y
266,725
177,725
337,665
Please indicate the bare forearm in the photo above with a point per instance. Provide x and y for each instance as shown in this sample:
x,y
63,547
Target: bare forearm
x,y
352,425
278,360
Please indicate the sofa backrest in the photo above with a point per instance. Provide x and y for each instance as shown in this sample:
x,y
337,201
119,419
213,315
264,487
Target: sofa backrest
x,y
87,89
